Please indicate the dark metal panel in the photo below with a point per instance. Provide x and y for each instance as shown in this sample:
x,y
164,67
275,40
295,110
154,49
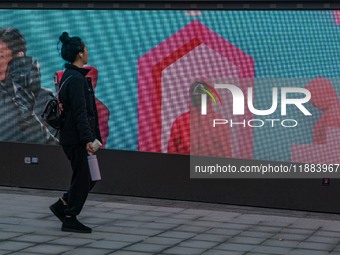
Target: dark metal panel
x,y
5,164
171,5
51,172
159,175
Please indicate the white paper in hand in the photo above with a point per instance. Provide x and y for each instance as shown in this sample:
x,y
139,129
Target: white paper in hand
x,y
96,144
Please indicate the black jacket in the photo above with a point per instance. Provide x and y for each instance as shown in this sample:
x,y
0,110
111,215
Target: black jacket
x,y
81,118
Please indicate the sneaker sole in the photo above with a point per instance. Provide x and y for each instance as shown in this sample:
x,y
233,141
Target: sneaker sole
x,y
75,230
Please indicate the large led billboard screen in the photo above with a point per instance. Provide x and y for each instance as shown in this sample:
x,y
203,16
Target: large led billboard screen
x,y
271,77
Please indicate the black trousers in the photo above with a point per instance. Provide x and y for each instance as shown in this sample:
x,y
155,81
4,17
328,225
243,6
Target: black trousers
x,y
81,182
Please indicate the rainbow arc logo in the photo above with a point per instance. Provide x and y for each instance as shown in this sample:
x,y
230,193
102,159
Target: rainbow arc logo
x,y
210,94
204,90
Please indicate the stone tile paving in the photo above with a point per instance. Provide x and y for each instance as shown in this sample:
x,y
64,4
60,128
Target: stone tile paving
x,y
130,225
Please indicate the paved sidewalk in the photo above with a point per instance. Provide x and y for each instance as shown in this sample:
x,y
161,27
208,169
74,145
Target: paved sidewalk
x,y
129,225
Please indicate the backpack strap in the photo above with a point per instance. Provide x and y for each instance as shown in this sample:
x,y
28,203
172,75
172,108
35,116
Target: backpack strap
x,y
63,84
60,107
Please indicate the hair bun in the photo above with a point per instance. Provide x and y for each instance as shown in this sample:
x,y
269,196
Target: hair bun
x,y
64,38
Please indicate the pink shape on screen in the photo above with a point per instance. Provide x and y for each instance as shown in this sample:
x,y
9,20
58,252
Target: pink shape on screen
x,y
336,15
150,69
201,61
326,131
327,153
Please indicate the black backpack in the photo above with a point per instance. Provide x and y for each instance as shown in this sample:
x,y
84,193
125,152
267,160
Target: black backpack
x,y
52,113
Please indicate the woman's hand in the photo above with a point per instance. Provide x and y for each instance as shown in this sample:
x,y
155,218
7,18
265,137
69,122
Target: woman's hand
x,y
90,149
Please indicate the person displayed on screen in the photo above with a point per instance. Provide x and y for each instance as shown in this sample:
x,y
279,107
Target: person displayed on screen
x,y
325,98
193,133
77,132
19,88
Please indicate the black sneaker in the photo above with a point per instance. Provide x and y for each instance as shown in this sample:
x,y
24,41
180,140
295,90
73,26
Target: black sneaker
x,y
73,225
58,209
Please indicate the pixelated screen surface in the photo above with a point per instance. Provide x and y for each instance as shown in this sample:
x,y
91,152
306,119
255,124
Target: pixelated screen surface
x,y
143,63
